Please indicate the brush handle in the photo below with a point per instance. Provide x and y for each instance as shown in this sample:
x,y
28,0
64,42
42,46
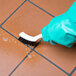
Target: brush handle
x,y
30,38
38,36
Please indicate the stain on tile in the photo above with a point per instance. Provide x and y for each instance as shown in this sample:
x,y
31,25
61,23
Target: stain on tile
x,y
37,66
55,7
10,53
7,7
60,55
28,19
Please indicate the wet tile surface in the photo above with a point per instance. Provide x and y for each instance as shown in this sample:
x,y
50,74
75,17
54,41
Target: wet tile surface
x,y
28,19
11,53
37,66
60,55
7,7
55,7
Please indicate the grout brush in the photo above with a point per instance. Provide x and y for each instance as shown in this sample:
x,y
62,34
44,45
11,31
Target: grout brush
x,y
27,39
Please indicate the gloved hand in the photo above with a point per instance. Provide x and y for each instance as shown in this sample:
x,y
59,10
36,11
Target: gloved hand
x,y
62,29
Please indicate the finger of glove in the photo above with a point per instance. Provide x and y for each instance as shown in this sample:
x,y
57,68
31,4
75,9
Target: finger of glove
x,y
52,42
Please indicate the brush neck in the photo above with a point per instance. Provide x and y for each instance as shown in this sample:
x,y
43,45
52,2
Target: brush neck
x,y
38,36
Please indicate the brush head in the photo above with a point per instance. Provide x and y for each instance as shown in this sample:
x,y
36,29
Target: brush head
x,y
27,39
24,41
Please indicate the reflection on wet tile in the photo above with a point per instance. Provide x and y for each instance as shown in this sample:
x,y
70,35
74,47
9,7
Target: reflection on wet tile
x,y
37,66
10,53
7,7
28,19
55,7
60,55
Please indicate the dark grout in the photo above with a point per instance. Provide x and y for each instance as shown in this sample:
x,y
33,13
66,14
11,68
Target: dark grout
x,y
12,13
51,62
20,63
72,71
14,36
8,32
41,8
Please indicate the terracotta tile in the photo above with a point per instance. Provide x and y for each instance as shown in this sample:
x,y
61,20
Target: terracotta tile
x,y
74,74
31,20
28,19
35,65
55,7
11,53
7,7
60,55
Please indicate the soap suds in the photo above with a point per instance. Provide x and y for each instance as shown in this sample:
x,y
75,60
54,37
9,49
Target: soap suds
x,y
29,56
5,39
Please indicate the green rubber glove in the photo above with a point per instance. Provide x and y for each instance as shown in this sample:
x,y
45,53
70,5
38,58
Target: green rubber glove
x,y
62,29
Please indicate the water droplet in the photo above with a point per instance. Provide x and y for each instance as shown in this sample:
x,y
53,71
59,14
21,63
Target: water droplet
x,y
5,39
33,55
29,56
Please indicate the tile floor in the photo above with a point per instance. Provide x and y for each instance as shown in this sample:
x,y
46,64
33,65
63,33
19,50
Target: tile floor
x,y
44,59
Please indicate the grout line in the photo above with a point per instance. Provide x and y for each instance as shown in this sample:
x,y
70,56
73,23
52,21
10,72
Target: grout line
x,y
51,62
72,71
23,59
12,13
41,8
20,63
8,32
35,50
14,36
